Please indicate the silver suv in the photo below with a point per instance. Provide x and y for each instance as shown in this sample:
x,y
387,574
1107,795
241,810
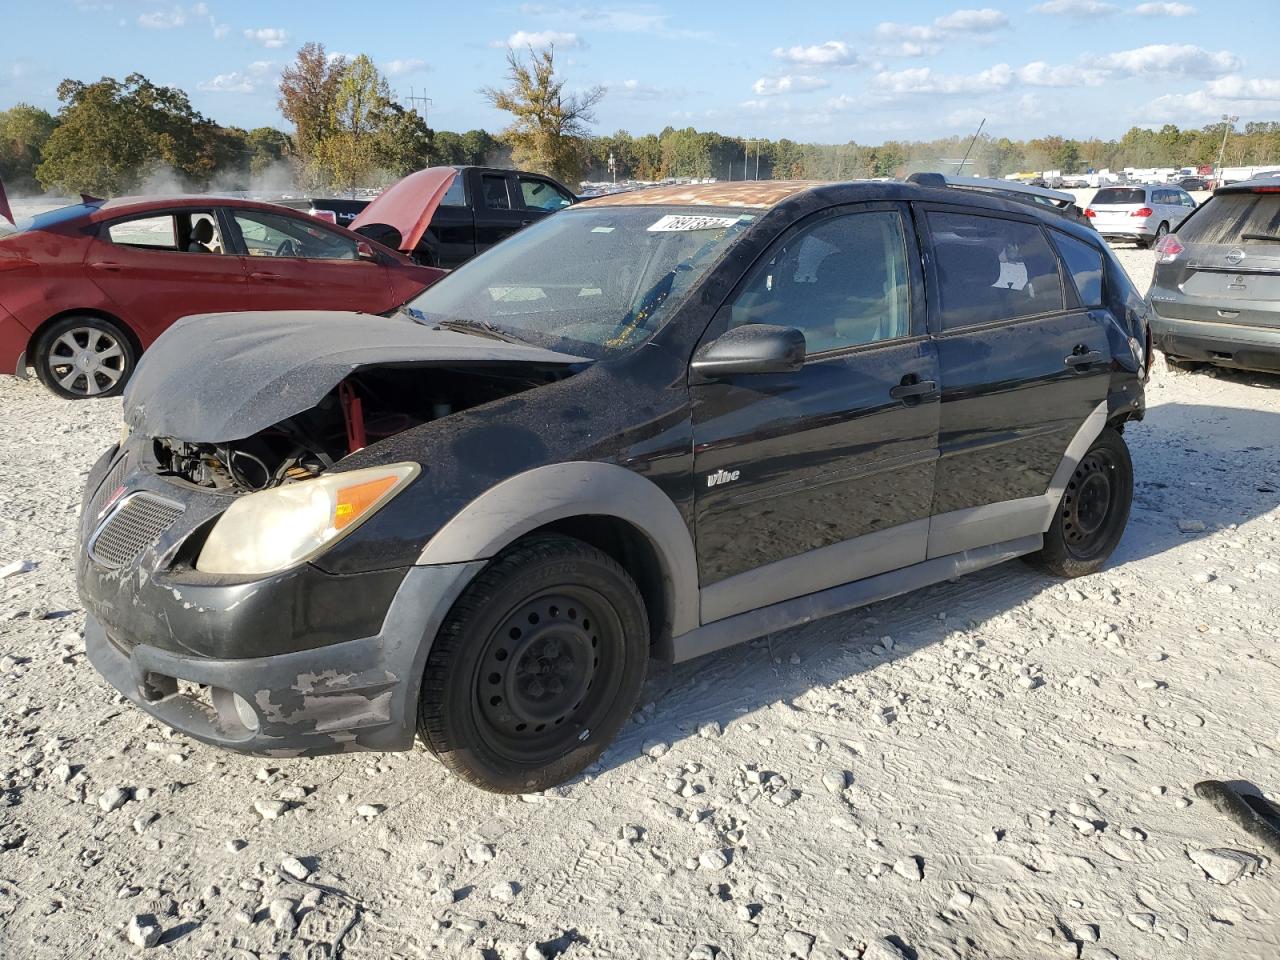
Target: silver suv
x,y
1142,213
1216,288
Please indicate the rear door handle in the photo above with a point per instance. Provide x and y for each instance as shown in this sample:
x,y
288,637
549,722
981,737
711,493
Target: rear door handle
x,y
264,276
108,266
1086,359
920,388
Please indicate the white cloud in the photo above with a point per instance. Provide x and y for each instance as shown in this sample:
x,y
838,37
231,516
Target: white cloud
x,y
1244,88
234,82
1164,10
1041,74
1076,8
163,19
832,53
979,23
925,80
1170,59
269,37
539,39
254,77
221,31
790,83
635,90
399,68
972,21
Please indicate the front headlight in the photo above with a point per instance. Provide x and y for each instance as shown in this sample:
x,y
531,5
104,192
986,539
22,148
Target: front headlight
x,y
275,529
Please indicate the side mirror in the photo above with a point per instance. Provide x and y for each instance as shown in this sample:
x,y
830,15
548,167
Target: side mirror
x,y
365,251
752,348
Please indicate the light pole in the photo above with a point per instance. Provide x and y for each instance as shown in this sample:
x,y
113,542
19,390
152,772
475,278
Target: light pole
x,y
746,149
1228,122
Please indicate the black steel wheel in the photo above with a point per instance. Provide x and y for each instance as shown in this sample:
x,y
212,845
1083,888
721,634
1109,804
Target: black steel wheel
x,y
536,668
1093,510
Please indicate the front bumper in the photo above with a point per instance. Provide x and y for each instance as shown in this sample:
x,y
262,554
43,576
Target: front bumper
x,y
357,695
1223,344
293,664
14,338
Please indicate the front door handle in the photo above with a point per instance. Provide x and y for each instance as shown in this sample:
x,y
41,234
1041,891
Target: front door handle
x,y
1086,359
264,276
107,265
912,389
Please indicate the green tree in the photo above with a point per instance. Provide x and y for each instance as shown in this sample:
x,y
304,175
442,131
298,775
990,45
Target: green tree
x,y
24,130
308,95
112,135
550,129
267,147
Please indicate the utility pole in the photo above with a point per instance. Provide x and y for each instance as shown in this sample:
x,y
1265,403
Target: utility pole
x,y
426,105
1228,123
746,148
613,167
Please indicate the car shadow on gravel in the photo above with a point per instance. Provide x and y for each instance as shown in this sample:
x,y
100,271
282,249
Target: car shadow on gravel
x,y
1198,469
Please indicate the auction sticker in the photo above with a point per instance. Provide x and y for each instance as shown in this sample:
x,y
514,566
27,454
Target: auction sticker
x,y
672,223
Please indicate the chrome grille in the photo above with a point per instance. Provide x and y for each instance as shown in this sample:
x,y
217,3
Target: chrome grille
x,y
134,525
110,484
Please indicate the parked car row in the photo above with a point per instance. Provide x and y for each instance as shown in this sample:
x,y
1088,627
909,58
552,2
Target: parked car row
x,y
90,286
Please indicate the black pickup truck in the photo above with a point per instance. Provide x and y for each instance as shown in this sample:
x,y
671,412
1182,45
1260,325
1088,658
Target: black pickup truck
x,y
444,216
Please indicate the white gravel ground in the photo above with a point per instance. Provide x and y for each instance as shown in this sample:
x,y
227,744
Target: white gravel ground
x,y
1008,776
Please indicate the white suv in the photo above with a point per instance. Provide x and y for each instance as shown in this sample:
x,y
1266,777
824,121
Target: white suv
x,y
1142,213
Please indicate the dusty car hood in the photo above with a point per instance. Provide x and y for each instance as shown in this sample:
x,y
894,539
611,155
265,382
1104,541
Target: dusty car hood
x,y
408,205
216,378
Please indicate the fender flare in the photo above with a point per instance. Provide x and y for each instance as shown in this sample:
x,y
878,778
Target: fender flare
x,y
543,495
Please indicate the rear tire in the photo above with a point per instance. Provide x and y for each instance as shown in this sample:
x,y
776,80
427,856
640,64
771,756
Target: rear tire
x,y
84,357
1093,511
1182,366
1161,231
536,668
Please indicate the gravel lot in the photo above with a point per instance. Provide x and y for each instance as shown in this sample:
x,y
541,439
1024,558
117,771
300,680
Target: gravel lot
x,y
998,767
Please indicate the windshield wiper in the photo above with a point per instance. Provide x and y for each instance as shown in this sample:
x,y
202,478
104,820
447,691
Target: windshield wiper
x,y
481,328
1259,236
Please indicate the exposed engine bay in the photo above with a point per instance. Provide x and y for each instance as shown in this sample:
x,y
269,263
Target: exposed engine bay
x,y
366,407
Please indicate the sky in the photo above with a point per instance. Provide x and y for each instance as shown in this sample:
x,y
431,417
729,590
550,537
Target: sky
x,y
824,71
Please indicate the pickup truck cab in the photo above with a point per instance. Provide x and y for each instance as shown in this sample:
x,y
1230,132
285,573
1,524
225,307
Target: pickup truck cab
x,y
444,216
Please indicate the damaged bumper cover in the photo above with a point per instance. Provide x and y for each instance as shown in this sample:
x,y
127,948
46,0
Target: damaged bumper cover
x,y
298,663
359,695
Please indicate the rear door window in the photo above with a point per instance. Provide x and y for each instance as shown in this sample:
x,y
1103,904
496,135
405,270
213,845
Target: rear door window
x,y
1109,195
159,232
189,231
990,269
1229,217
493,189
1084,263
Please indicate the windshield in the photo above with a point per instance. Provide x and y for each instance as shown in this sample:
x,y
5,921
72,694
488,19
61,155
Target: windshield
x,y
1228,217
1120,195
50,218
593,281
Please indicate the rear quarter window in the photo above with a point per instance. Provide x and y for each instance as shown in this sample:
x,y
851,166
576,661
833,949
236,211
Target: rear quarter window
x,y
1084,263
1228,217
991,269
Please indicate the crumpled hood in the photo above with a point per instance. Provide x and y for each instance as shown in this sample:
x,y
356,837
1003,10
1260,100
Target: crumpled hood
x,y
216,378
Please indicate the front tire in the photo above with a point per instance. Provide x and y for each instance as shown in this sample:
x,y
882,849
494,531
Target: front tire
x,y
83,357
1093,511
536,668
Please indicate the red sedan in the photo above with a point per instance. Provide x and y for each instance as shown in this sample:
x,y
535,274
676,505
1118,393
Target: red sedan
x,y
86,288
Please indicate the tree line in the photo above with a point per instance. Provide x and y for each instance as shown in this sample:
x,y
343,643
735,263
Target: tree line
x,y
115,136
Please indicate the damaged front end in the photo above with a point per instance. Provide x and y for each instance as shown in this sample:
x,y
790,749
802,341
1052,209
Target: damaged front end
x,y
206,606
